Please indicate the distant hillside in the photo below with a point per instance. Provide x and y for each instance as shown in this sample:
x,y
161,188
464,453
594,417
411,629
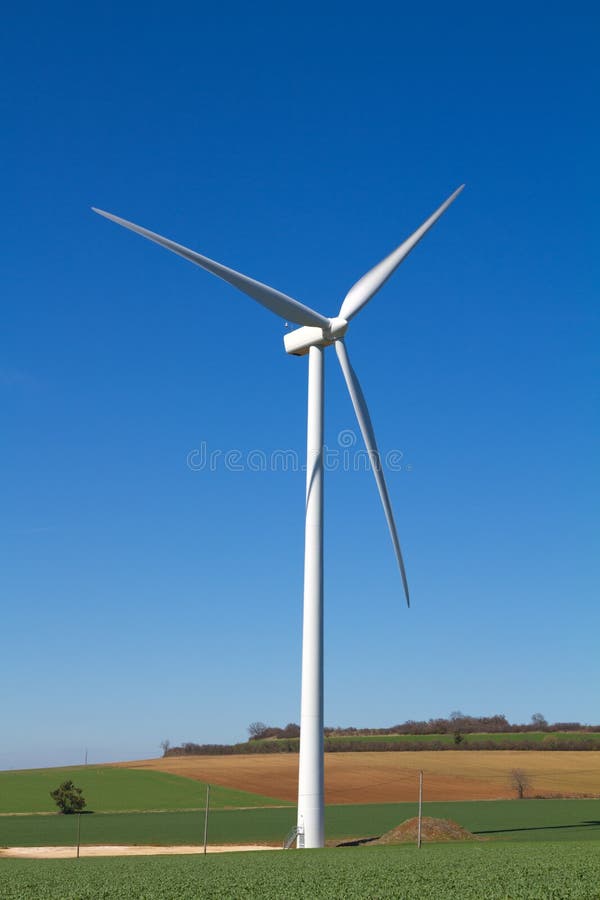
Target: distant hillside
x,y
459,732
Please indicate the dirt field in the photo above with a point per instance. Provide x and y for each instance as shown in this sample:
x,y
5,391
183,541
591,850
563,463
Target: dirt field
x,y
122,850
391,777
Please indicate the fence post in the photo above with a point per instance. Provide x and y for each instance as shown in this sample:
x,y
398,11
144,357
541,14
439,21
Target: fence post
x,y
420,808
206,816
78,832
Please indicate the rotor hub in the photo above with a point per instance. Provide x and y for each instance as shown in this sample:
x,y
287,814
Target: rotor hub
x,y
299,341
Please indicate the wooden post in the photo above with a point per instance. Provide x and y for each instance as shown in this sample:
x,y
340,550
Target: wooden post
x,y
206,816
78,832
420,808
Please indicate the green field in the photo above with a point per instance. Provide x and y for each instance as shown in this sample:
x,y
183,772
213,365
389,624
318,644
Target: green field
x,y
438,872
514,820
114,789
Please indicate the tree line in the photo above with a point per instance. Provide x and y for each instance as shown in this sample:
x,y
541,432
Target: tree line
x,y
456,722
332,745
264,738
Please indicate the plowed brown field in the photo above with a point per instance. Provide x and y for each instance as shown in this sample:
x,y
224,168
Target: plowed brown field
x,y
391,777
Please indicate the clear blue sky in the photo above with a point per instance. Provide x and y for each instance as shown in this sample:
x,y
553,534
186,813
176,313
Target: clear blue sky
x,y
143,600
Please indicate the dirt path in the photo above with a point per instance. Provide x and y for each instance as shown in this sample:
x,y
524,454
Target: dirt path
x,y
123,850
391,777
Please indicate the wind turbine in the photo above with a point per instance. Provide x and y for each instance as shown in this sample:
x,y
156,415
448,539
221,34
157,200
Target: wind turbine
x,y
315,334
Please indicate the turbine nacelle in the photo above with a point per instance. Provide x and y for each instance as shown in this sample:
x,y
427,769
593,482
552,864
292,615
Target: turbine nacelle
x,y
299,341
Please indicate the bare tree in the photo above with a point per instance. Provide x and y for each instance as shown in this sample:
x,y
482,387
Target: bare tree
x,y
256,729
165,745
520,781
539,720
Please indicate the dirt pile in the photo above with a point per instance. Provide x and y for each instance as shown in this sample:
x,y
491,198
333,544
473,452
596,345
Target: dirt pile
x,y
431,830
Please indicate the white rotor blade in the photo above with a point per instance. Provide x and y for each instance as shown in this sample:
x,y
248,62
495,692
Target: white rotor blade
x,y
279,303
366,427
365,288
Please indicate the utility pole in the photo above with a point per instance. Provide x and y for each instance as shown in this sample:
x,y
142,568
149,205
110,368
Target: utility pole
x,y
78,832
420,808
206,816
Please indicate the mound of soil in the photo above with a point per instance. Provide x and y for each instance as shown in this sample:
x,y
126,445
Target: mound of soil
x,y
431,830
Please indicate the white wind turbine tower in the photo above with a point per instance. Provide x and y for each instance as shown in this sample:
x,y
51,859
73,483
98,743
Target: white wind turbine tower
x,y
316,333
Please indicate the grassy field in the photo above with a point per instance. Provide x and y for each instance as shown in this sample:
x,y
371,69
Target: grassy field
x,y
442,872
116,789
513,820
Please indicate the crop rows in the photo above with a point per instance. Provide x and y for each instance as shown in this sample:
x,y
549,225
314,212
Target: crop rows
x,y
496,872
